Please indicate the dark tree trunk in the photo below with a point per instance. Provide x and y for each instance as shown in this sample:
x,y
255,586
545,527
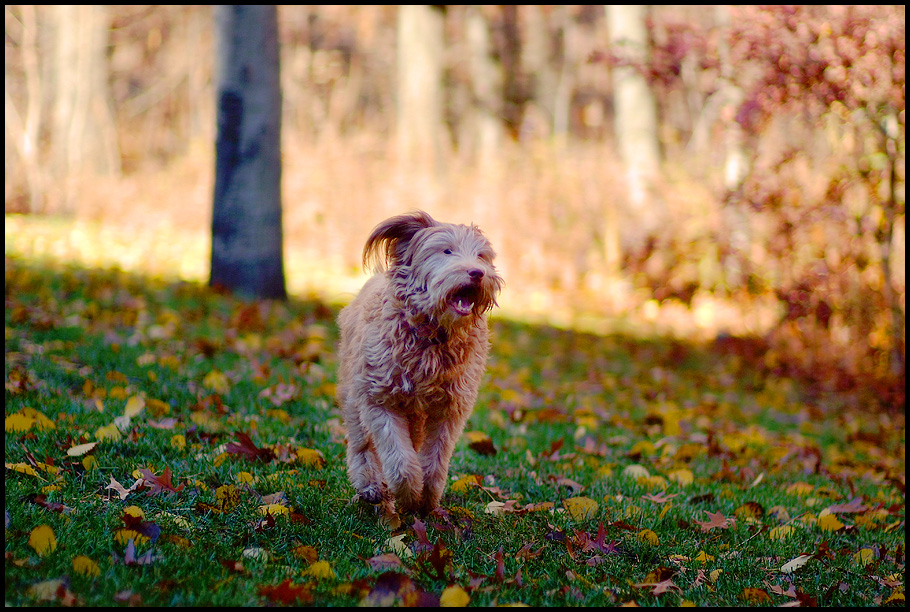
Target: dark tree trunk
x,y
246,219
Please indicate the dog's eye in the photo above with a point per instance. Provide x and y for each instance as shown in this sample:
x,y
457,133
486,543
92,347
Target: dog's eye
x,y
448,251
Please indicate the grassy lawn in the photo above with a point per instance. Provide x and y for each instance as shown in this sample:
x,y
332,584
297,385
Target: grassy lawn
x,y
167,445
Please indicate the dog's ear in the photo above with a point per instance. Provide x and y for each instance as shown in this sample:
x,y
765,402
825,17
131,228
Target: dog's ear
x,y
389,240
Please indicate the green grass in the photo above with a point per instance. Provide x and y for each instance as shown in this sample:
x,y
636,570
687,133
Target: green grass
x,y
567,414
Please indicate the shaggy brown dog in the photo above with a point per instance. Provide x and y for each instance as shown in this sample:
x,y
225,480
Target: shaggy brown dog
x,y
414,346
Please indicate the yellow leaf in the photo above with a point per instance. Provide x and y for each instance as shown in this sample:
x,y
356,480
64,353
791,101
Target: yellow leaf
x,y
41,421
157,408
18,423
897,597
604,471
81,449
321,570
217,382
794,564
704,557
90,462
829,522
755,596
273,509
465,483
652,482
714,575
781,533
108,432
22,468
178,441
134,406
580,508
649,537
642,447
228,497
244,478
50,469
476,436
864,557
43,540
311,458
134,511
454,597
123,536
800,488
85,566
684,477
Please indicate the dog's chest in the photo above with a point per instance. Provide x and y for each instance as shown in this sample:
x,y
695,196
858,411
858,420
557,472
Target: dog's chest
x,y
433,374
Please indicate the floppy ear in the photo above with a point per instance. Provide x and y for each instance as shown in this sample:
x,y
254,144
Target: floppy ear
x,y
388,243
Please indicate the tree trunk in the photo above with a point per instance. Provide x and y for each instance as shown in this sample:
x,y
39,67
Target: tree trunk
x,y
246,217
84,137
635,117
484,118
421,130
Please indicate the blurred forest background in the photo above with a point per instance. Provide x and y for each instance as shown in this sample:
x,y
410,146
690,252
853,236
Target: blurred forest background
x,y
731,174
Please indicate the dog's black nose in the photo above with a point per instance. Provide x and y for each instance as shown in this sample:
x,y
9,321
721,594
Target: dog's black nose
x,y
476,274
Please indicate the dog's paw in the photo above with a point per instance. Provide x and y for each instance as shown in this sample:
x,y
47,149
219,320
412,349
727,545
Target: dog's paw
x,y
371,495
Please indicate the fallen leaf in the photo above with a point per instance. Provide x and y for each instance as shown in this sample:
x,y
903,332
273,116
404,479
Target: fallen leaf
x,y
81,449
716,521
782,532
794,564
43,540
454,597
648,536
829,522
85,566
754,596
287,593
320,570
581,508
864,557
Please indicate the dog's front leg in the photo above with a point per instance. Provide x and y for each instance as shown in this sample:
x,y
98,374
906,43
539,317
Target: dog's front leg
x,y
400,464
443,429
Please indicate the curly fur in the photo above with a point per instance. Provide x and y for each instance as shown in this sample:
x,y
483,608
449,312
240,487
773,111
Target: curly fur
x,y
413,350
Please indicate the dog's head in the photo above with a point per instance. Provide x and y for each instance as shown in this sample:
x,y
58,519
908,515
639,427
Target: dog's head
x,y
444,270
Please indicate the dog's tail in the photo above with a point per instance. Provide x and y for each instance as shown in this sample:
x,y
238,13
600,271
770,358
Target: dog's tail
x,y
389,240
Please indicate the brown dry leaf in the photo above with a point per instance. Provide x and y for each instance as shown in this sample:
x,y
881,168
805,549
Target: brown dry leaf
x,y
717,521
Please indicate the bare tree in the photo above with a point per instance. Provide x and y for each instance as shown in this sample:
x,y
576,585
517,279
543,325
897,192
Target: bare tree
x,y
420,128
484,115
246,220
84,136
635,118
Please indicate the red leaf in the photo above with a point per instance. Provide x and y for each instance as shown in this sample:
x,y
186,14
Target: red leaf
x,y
248,449
158,484
287,593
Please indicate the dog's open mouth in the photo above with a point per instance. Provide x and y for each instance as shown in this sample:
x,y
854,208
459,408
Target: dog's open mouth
x,y
463,300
